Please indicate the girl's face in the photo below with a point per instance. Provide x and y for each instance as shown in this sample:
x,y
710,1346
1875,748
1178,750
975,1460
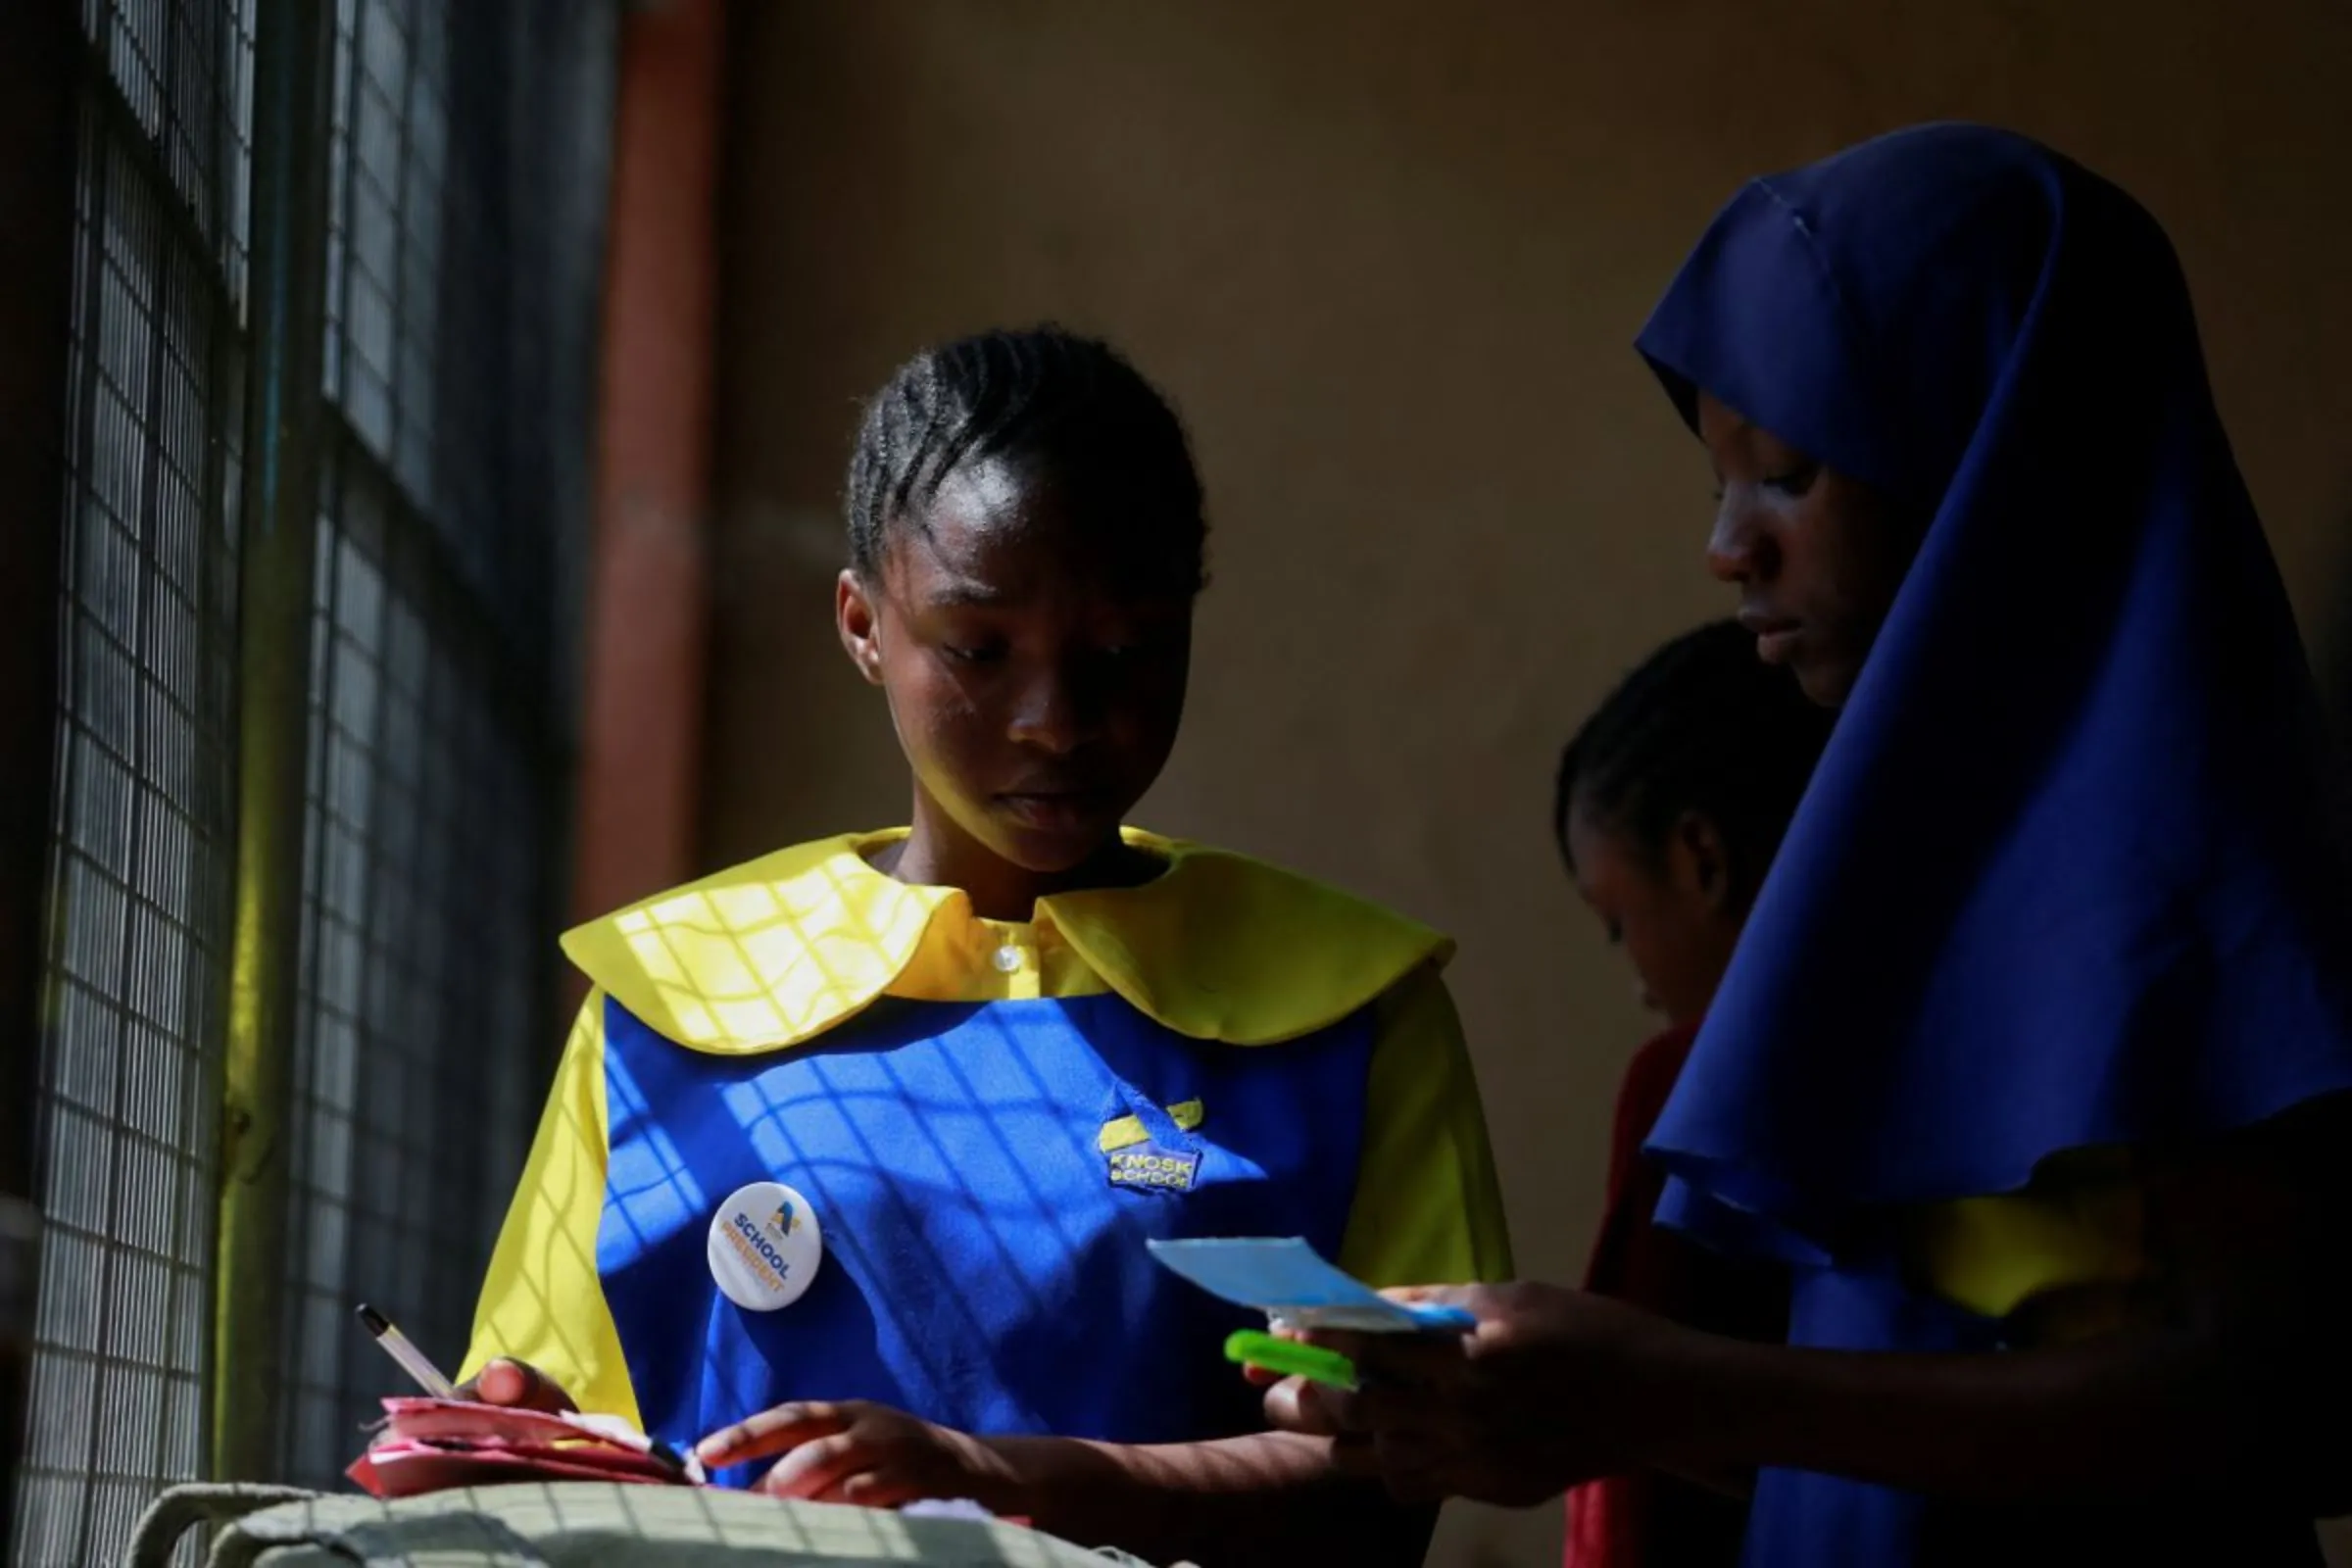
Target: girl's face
x,y
1035,659
1674,913
1817,556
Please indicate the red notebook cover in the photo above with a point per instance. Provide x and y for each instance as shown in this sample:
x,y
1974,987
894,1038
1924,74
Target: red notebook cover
x,y
431,1444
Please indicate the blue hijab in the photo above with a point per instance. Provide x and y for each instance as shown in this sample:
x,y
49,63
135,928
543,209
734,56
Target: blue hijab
x,y
2066,874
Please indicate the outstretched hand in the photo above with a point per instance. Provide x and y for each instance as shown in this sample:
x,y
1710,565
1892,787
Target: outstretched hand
x,y
1545,1392
860,1452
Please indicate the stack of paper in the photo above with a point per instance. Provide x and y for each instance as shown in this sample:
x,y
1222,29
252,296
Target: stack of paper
x,y
432,1444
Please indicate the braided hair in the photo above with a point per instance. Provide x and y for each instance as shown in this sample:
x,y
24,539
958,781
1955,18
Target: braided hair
x,y
1047,401
1702,725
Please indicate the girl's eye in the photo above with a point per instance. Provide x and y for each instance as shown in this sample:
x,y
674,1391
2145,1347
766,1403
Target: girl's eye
x,y
1794,482
986,653
1135,647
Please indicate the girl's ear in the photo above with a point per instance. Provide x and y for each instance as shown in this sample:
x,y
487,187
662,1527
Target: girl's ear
x,y
860,626
1707,857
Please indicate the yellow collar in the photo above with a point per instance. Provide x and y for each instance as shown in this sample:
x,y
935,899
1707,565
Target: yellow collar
x,y
776,951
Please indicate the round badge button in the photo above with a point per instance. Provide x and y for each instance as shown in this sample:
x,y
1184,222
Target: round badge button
x,y
764,1247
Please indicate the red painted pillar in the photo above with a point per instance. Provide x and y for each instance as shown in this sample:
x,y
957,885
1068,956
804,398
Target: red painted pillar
x,y
639,786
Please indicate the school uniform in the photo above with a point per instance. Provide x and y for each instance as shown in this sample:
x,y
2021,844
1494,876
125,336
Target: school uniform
x,y
2065,888
822,1135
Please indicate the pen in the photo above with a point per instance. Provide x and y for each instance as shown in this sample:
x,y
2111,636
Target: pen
x,y
689,1469
412,1360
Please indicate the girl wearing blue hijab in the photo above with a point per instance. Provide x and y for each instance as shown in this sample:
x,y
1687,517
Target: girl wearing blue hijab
x,y
2029,1061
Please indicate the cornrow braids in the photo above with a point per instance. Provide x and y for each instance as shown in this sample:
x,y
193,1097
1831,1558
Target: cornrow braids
x,y
1701,725
1046,400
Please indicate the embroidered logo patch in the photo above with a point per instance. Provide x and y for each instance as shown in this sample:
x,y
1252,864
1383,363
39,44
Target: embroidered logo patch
x,y
1155,1168
1151,1147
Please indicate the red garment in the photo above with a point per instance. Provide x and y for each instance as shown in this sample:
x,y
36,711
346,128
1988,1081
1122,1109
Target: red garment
x,y
1649,1520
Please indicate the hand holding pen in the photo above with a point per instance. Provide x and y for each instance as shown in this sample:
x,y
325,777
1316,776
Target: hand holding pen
x,y
510,1384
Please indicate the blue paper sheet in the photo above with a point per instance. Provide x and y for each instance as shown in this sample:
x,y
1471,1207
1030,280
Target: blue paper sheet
x,y
1290,1281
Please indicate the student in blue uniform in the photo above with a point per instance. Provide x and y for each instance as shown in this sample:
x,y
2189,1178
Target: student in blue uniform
x,y
2032,1058
853,1156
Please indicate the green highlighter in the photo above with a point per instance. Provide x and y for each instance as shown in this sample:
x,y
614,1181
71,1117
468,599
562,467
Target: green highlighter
x,y
1290,1359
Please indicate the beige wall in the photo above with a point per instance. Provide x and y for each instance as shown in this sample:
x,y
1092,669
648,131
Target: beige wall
x,y
1389,258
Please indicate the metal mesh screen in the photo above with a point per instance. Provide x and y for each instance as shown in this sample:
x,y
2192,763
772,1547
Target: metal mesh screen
x,y
468,144
459,363
422,981
138,934
178,75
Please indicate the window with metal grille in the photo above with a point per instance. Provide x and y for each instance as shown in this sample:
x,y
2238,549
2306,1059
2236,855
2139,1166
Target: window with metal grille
x,y
463,250
138,942
460,304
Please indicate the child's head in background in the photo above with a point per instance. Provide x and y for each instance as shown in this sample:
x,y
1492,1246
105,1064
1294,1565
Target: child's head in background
x,y
1672,800
1026,544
